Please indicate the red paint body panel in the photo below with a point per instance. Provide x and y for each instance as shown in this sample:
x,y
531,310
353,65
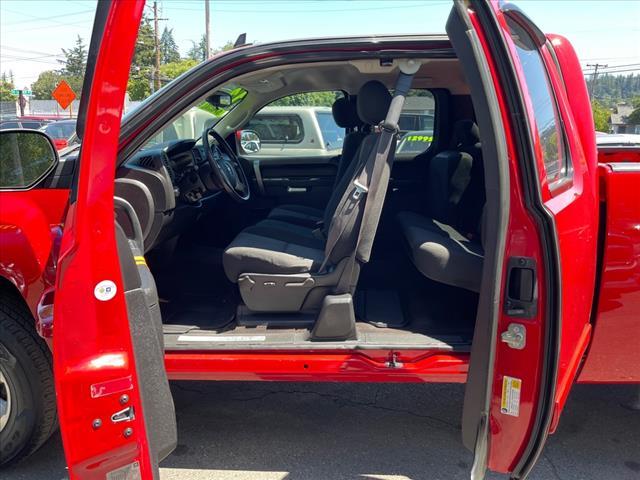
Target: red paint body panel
x,y
29,224
614,354
509,434
575,211
338,366
92,344
609,154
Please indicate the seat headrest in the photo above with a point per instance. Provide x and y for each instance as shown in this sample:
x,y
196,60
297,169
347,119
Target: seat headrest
x,y
465,133
373,102
345,112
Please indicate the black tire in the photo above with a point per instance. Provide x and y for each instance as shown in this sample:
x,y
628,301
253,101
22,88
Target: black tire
x,y
26,365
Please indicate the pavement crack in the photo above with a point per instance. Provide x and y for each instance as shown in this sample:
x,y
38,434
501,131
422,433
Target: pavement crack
x,y
344,401
554,468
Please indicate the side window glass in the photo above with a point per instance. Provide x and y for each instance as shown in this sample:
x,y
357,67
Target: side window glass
x,y
548,123
416,124
26,157
8,125
296,126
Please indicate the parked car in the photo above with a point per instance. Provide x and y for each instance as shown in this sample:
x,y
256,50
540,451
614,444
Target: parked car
x,y
619,147
304,131
507,260
61,132
23,122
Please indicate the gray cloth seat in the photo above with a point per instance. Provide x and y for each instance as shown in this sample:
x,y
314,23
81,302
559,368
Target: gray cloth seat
x,y
274,246
446,244
442,253
345,115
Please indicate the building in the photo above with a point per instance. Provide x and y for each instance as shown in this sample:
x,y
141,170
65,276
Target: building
x,y
618,121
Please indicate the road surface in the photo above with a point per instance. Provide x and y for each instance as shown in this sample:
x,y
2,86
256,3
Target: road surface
x,y
280,431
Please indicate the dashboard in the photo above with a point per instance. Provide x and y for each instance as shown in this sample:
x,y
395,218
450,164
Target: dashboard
x,y
168,186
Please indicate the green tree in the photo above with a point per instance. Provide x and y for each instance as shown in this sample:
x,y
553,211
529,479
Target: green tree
x,y
313,99
600,116
75,59
169,52
634,117
198,51
6,85
169,71
44,85
140,75
48,80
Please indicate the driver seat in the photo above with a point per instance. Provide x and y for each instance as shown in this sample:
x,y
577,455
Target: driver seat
x,y
285,267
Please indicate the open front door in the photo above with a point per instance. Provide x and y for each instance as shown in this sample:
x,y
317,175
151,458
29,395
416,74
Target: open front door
x,y
115,407
533,323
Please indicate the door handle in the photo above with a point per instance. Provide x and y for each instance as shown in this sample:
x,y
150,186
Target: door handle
x,y
521,297
296,189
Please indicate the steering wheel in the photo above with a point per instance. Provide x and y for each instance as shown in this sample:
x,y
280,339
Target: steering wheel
x,y
226,166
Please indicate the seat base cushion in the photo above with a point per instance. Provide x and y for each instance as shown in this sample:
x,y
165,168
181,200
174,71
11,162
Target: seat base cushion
x,y
297,215
441,253
272,247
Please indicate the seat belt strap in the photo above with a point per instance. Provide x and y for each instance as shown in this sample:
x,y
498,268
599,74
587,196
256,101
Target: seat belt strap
x,y
376,189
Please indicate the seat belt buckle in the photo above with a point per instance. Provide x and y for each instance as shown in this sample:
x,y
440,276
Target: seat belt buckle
x,y
360,189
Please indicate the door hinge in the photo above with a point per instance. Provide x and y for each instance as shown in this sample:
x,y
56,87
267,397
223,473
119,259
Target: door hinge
x,y
515,336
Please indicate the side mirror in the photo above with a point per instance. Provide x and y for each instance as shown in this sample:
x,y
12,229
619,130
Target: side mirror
x,y
249,142
27,156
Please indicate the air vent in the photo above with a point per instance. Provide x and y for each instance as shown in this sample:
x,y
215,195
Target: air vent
x,y
167,165
147,161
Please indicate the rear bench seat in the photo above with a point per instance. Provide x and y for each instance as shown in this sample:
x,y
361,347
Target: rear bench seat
x,y
446,244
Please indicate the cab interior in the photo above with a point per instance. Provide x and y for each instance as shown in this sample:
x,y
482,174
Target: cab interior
x,y
256,273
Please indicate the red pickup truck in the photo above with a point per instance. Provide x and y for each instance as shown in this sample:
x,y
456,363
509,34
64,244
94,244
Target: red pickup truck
x,y
505,255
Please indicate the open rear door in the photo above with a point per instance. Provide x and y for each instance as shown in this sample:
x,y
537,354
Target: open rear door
x,y
533,322
115,407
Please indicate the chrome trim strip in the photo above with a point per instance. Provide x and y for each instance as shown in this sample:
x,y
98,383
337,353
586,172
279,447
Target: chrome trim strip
x,y
625,166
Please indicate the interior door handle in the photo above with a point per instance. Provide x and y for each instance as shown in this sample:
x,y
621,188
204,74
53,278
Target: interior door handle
x,y
296,189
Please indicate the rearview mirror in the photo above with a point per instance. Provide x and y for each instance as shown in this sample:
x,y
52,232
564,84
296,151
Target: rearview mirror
x,y
27,156
220,99
249,142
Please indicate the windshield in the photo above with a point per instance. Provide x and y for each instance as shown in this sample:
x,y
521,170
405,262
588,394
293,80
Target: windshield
x,y
191,123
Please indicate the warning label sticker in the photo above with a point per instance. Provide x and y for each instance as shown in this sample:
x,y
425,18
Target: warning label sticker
x,y
510,404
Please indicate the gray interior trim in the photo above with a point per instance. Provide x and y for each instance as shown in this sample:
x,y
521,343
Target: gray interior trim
x,y
479,381
258,174
165,105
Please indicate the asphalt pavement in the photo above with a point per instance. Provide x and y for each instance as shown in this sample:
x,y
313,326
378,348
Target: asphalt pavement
x,y
303,431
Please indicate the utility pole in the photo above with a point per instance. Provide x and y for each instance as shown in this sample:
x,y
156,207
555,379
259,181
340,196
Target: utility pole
x,y
157,45
206,30
596,66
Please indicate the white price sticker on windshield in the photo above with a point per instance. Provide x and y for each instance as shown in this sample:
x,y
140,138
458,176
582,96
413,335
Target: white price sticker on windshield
x,y
510,404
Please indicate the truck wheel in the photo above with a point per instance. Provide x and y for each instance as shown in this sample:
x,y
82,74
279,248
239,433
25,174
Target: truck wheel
x,y
27,395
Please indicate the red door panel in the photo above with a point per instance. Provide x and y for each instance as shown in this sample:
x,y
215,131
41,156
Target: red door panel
x,y
105,381
553,225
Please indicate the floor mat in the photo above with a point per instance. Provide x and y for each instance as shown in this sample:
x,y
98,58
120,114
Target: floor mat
x,y
381,308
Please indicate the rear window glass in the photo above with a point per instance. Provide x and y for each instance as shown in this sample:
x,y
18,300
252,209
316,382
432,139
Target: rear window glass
x,y
277,128
332,134
416,124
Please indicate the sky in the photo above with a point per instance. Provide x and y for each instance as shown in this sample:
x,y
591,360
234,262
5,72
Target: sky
x,y
33,32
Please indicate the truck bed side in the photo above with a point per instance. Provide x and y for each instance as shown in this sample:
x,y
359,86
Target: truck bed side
x,y
614,354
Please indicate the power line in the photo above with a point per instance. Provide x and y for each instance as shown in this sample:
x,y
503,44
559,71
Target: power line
x,y
34,18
